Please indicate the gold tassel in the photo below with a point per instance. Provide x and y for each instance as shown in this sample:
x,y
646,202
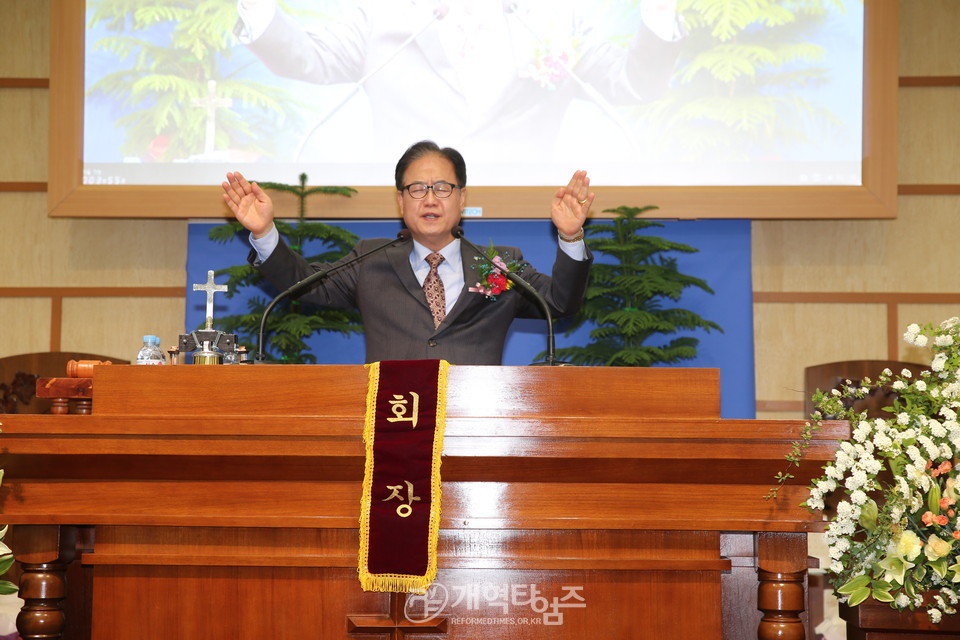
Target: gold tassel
x,y
369,423
389,582
435,484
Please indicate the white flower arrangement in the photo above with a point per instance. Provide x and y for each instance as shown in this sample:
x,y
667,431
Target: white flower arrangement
x,y
891,492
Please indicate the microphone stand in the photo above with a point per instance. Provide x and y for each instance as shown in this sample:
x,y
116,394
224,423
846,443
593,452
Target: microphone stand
x,y
551,359
314,277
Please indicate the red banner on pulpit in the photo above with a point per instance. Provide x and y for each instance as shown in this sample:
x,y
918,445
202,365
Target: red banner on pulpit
x,y
400,504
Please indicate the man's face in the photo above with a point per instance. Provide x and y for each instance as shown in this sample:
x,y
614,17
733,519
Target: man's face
x,y
431,219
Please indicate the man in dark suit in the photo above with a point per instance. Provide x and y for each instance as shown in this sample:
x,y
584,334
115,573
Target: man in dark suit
x,y
394,289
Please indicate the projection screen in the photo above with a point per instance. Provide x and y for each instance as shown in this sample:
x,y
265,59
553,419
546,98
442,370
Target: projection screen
x,y
765,110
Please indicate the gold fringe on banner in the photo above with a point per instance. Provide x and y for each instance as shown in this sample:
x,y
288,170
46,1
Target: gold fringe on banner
x,y
395,581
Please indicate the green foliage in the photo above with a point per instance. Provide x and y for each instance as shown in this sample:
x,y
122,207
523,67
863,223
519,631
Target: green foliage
x,y
291,322
625,300
890,492
737,81
6,560
163,85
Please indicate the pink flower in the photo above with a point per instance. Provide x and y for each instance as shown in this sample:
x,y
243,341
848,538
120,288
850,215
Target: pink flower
x,y
493,274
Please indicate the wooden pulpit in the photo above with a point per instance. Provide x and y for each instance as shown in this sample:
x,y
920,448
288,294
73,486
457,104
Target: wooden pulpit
x,y
223,502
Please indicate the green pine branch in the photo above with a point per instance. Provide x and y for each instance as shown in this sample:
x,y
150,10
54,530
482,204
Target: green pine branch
x,y
626,300
291,322
737,79
160,81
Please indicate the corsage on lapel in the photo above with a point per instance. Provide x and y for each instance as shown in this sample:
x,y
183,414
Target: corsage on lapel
x,y
493,278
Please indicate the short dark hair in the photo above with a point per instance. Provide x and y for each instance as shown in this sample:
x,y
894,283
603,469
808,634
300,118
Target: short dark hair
x,y
426,147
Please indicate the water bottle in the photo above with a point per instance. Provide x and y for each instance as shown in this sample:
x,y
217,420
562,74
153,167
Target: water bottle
x,y
150,352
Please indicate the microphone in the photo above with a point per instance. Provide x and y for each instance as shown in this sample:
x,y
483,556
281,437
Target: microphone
x,y
551,359
402,236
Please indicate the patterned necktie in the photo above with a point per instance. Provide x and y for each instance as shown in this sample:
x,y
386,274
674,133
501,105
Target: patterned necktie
x,y
433,289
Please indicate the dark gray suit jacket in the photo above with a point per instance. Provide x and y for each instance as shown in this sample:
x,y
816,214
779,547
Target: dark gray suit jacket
x,y
396,318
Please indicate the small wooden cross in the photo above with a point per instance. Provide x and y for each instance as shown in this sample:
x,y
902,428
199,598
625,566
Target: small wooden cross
x,y
210,287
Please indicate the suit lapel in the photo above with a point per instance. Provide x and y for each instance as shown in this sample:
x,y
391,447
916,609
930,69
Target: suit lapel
x,y
399,257
467,298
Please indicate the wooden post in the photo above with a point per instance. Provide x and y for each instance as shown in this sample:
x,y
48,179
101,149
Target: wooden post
x,y
781,570
44,553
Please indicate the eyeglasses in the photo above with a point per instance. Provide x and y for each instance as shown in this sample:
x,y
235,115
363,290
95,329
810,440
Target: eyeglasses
x,y
418,190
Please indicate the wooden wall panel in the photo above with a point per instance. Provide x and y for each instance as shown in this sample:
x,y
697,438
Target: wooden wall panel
x,y
941,213
25,131
928,37
813,255
50,257
25,39
88,253
861,255
831,260
26,326
791,337
903,255
116,326
928,138
149,253
24,262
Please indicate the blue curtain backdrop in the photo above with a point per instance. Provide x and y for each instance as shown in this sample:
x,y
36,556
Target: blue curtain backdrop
x,y
723,261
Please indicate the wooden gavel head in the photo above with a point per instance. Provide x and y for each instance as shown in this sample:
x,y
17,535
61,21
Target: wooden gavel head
x,y
83,368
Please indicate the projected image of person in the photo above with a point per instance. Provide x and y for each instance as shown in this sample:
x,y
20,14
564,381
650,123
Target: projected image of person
x,y
420,299
493,77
